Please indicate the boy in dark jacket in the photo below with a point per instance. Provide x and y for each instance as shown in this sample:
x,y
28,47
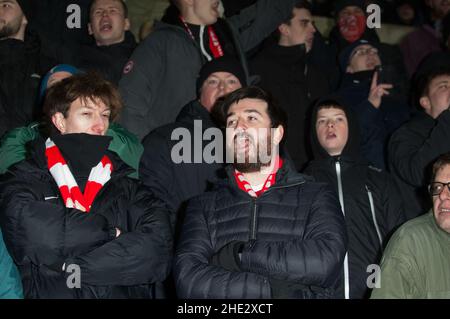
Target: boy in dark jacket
x,y
365,91
369,199
74,223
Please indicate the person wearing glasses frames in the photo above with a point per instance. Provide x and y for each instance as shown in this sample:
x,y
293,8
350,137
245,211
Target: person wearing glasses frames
x,y
416,262
365,91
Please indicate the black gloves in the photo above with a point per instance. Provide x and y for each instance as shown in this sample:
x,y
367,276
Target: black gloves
x,y
228,256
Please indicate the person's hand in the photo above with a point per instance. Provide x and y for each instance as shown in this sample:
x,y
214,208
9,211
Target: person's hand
x,y
377,91
228,256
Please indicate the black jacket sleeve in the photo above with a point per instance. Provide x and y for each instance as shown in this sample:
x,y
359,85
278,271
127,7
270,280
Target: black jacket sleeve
x,y
141,255
43,232
196,277
256,22
393,207
411,150
155,171
314,258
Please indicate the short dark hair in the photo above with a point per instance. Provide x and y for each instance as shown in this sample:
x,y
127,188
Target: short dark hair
x,y
276,114
301,4
330,104
124,6
90,85
176,3
441,161
424,81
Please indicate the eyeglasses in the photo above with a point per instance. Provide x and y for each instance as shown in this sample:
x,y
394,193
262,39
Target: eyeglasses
x,y
436,188
362,52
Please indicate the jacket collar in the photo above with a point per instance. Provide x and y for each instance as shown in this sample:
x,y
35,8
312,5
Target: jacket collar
x,y
286,176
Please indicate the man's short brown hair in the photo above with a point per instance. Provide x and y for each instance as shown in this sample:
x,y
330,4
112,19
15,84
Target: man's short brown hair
x,y
439,164
87,86
124,6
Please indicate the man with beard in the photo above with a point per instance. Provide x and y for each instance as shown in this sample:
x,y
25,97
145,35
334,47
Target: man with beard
x,y
265,231
21,64
364,90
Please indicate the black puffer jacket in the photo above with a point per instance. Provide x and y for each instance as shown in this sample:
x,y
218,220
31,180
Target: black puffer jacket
x,y
371,203
294,233
41,234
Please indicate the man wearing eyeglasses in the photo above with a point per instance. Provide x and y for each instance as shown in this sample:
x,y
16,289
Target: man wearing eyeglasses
x,y
416,262
364,90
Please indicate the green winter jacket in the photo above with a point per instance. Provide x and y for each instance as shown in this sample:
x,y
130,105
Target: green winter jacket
x,y
416,262
10,283
124,143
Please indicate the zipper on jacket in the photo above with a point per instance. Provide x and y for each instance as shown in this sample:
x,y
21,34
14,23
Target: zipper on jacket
x,y
254,221
374,217
254,212
341,201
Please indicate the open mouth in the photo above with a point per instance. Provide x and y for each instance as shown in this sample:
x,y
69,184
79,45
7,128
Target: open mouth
x,y
444,211
331,136
105,27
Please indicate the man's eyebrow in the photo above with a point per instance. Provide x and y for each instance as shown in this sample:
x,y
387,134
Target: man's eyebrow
x,y
442,81
245,111
252,111
91,107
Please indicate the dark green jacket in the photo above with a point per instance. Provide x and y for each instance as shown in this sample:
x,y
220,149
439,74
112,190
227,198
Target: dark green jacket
x,y
124,143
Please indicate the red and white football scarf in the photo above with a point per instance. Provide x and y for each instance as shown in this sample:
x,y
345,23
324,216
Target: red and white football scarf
x,y
270,181
71,193
214,44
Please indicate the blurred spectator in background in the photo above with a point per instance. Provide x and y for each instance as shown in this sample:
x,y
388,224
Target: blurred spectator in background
x,y
419,43
287,72
408,13
160,77
22,63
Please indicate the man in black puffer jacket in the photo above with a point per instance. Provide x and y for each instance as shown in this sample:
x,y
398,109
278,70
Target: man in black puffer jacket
x,y
74,223
369,197
265,231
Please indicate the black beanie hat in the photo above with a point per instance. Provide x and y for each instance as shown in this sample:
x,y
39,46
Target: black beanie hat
x,y
27,9
341,4
222,64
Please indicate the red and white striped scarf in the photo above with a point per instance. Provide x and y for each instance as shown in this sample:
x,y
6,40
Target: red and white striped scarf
x,y
71,193
270,181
